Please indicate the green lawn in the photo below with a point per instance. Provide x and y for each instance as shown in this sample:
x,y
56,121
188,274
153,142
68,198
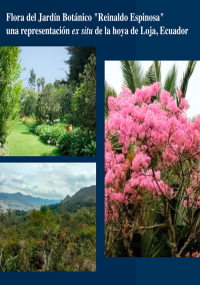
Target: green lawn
x,y
21,142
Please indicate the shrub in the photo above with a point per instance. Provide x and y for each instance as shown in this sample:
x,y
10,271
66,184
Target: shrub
x,y
34,126
50,134
90,150
29,122
77,143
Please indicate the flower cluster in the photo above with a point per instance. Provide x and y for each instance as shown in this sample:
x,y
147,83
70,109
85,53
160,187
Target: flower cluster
x,y
194,254
154,136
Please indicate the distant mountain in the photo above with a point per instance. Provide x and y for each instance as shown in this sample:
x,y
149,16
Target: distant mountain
x,y
18,201
85,197
67,198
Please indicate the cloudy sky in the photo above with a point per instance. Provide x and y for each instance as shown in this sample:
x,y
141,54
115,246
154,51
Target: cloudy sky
x,y
46,180
113,76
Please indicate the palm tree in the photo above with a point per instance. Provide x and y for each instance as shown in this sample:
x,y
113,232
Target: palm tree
x,y
32,78
42,80
109,91
38,84
134,76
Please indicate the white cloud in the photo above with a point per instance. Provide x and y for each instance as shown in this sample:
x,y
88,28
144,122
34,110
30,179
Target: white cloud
x,y
47,180
2,179
17,178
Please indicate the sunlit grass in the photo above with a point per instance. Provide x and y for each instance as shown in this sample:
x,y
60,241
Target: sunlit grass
x,y
22,142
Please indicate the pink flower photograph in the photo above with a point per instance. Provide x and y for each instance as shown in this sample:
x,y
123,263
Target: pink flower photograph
x,y
152,159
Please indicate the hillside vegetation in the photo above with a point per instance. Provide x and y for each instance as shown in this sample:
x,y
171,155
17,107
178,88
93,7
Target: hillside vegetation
x,y
59,237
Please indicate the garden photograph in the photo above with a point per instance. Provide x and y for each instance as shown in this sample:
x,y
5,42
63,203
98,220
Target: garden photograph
x,y
48,101
152,159
47,217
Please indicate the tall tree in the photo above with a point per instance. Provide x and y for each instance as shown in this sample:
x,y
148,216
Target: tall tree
x,y
38,84
10,88
28,101
77,61
42,80
84,98
32,78
48,106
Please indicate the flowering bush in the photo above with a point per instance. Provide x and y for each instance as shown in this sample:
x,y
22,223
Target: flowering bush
x,y
28,121
152,173
50,134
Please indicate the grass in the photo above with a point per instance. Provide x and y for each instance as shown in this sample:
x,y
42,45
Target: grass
x,y
21,142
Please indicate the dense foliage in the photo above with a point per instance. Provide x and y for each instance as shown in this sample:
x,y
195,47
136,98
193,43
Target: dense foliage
x,y
48,241
152,175
50,133
78,143
48,106
10,88
78,59
28,101
84,98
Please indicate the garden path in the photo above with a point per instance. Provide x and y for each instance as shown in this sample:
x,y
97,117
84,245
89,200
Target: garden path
x,y
21,142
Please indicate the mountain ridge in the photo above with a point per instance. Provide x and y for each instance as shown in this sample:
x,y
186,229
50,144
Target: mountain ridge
x,y
85,197
19,201
21,197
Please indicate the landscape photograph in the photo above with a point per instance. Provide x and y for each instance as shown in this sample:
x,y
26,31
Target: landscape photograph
x,y
152,159
47,217
48,101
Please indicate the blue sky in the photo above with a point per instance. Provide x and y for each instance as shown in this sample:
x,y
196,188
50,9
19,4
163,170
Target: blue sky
x,y
46,61
46,180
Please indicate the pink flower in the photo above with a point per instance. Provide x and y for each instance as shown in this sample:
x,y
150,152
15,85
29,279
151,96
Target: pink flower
x,y
195,254
179,94
184,104
149,139
185,203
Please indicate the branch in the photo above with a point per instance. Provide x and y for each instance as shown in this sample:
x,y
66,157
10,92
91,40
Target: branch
x,y
107,251
12,258
1,255
186,244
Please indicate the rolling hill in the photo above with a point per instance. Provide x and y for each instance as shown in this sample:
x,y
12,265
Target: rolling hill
x,y
85,197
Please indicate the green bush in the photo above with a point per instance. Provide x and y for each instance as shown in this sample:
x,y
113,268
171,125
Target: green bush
x,y
90,150
50,134
77,143
29,122
34,126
